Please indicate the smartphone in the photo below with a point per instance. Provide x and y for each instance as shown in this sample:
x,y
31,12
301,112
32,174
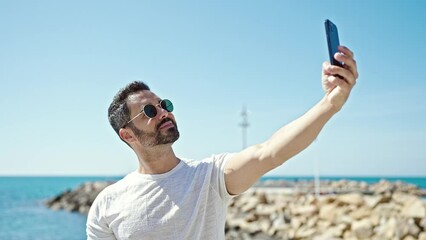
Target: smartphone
x,y
332,41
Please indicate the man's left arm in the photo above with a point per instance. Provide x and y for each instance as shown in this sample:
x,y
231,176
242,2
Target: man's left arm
x,y
247,166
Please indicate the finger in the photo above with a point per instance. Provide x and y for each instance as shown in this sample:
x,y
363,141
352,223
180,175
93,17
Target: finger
x,y
338,82
350,63
344,73
346,51
325,67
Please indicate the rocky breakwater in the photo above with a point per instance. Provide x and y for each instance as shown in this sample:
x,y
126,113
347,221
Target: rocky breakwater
x,y
384,211
78,200
290,210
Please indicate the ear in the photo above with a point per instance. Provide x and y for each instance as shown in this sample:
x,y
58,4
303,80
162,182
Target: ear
x,y
127,135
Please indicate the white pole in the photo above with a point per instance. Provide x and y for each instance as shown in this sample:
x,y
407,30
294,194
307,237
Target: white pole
x,y
316,171
244,125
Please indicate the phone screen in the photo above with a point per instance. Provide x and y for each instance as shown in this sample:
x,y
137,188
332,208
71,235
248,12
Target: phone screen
x,y
332,41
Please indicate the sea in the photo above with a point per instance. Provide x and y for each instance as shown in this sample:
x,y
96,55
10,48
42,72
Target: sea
x,y
23,214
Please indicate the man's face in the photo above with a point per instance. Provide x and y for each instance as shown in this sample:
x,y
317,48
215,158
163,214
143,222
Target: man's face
x,y
161,129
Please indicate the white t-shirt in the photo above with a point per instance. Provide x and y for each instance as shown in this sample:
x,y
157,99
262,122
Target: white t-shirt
x,y
188,202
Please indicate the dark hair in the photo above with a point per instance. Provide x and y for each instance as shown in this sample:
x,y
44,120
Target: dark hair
x,y
118,111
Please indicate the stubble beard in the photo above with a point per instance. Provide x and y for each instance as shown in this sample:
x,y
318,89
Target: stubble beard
x,y
159,137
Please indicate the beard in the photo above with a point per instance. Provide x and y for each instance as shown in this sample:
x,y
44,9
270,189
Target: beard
x,y
150,139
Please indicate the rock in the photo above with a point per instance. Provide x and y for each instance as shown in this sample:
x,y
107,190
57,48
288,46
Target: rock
x,y
360,213
321,237
421,192
232,235
78,200
414,209
408,228
335,231
327,199
265,209
305,232
387,209
239,201
291,233
251,228
252,216
71,207
278,224
261,197
264,224
402,198
351,199
422,224
328,212
387,229
312,221
383,187
344,218
56,206
260,236
373,201
335,214
84,209
235,223
311,199
323,225
375,219
250,205
362,229
295,213
410,238
305,210
296,223
363,186
348,235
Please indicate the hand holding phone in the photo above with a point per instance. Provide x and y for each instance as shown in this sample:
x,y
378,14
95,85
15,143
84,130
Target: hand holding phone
x,y
338,78
332,41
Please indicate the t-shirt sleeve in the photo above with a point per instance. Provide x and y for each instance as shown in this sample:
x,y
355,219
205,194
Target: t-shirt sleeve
x,y
218,174
96,226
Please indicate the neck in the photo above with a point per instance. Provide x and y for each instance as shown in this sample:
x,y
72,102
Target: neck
x,y
157,160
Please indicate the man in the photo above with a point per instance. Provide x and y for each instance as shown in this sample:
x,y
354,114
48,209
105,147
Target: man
x,y
172,198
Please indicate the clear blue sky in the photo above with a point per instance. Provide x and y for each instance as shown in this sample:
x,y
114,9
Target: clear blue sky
x,y
61,62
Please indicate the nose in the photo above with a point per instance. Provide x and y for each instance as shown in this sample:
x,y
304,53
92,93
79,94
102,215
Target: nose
x,y
162,113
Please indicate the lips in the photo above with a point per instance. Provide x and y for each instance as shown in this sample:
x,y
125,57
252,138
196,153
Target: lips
x,y
166,124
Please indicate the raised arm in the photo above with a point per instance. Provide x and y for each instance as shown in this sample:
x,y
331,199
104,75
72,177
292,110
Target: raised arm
x,y
246,167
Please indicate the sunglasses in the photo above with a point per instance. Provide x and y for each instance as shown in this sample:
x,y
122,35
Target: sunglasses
x,y
150,110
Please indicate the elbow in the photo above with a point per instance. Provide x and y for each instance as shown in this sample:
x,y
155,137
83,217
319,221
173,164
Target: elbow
x,y
277,161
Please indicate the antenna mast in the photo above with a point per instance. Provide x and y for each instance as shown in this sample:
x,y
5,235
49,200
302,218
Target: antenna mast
x,y
244,125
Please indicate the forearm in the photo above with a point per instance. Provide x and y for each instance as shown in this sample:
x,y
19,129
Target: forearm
x,y
299,134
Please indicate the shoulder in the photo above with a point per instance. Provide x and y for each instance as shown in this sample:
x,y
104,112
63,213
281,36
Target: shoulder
x,y
219,160
103,200
115,188
214,160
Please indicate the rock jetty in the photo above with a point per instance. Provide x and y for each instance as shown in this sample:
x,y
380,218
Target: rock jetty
x,y
291,210
78,200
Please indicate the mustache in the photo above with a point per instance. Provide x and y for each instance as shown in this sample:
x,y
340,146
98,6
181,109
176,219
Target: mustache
x,y
164,121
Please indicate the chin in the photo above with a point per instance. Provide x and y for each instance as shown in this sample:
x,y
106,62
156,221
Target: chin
x,y
172,136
